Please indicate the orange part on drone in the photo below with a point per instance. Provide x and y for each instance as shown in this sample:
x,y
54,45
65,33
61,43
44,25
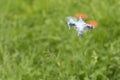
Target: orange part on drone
x,y
93,23
80,15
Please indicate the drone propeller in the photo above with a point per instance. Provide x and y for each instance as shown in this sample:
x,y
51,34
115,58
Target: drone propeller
x,y
93,23
81,15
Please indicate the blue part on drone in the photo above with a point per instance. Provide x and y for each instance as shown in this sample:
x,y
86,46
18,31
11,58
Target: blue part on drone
x,y
80,33
71,24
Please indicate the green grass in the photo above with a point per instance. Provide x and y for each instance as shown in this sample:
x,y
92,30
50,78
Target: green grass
x,y
35,43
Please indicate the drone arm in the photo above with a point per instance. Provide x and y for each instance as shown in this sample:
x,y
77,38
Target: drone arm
x,y
81,21
71,22
70,25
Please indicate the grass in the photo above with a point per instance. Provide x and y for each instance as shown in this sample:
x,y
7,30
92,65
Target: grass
x,y
35,43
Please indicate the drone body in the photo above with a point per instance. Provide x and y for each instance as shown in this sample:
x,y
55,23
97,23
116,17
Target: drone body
x,y
79,25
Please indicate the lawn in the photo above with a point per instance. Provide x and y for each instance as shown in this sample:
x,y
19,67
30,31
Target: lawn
x,y
36,44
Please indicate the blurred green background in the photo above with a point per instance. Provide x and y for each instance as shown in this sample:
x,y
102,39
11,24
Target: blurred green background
x,y
35,43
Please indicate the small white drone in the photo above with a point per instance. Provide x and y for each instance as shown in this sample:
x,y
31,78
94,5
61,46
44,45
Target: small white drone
x,y
80,25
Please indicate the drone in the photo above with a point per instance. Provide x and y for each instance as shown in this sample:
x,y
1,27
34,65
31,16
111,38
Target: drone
x,y
79,24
